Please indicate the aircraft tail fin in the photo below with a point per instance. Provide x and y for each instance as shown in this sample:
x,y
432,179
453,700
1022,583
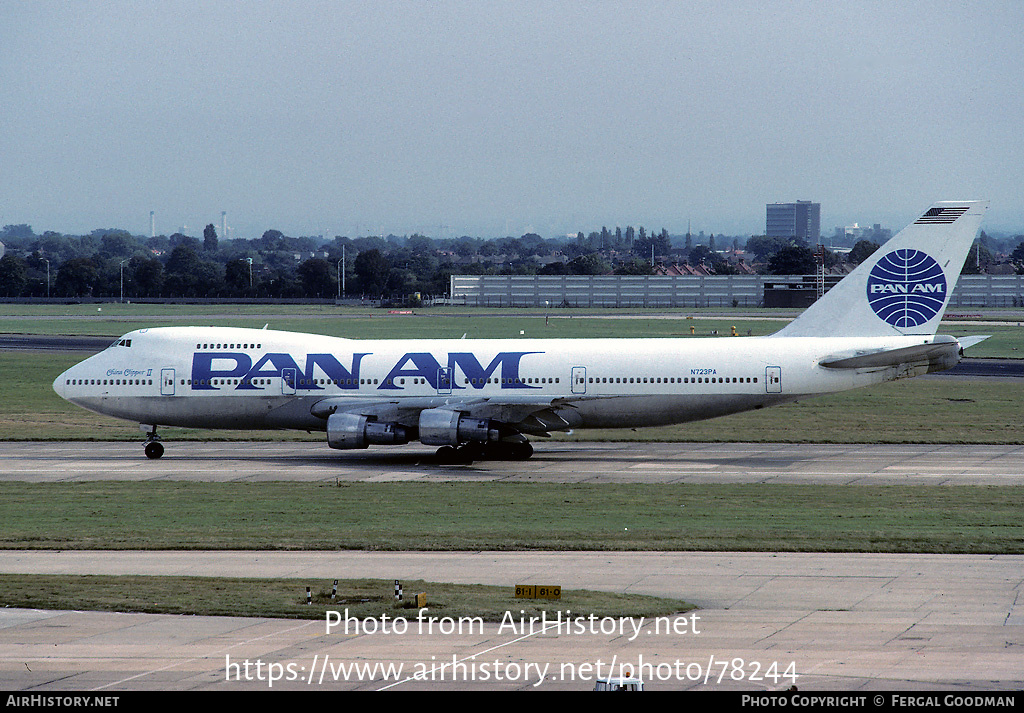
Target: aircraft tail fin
x,y
904,286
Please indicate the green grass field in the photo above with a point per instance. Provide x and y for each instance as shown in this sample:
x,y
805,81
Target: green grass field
x,y
1007,340
111,515
286,598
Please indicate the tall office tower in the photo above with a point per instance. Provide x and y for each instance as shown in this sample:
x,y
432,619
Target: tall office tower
x,y
794,220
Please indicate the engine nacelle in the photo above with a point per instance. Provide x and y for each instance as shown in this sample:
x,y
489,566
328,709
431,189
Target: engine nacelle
x,y
351,430
441,427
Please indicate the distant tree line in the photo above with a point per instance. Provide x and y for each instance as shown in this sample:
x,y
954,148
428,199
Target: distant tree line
x,y
109,263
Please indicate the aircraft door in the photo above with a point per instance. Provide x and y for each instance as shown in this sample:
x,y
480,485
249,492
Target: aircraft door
x,y
579,379
773,379
444,380
167,382
288,381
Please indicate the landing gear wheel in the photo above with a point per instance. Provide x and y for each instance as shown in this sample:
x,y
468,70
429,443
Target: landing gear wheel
x,y
520,451
450,455
153,447
504,451
470,452
466,454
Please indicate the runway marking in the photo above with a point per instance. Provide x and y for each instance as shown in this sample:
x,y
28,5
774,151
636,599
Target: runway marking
x,y
473,657
394,477
702,466
207,656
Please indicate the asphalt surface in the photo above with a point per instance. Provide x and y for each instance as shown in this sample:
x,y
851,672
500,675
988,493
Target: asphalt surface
x,y
823,622
766,621
559,462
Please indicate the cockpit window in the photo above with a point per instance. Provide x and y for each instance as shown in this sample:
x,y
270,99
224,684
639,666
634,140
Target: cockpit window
x,y
122,343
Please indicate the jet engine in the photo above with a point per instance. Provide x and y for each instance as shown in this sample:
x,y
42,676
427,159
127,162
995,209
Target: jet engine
x,y
441,427
350,430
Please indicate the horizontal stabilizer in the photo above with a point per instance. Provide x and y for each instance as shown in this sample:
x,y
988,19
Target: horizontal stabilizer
x,y
941,353
966,342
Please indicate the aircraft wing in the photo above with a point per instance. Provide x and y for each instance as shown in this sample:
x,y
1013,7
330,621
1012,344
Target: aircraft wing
x,y
532,414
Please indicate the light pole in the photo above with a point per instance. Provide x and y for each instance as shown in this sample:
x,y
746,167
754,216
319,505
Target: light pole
x,y
121,265
47,277
249,260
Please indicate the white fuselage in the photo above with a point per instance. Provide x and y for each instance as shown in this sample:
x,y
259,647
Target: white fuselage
x,y
254,379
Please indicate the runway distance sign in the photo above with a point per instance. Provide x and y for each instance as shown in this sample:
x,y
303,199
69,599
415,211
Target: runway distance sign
x,y
536,591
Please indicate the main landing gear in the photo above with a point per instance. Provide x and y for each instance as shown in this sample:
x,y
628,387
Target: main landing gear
x,y
465,454
153,447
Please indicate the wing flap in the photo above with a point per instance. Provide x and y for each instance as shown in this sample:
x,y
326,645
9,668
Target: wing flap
x,y
537,413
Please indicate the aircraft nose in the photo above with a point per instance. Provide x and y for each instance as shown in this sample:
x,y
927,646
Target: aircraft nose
x,y
60,384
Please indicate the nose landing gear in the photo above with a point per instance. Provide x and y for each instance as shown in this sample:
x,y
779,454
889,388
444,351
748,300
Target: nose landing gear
x,y
153,447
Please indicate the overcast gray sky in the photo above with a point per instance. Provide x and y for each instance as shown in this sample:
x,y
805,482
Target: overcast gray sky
x,y
492,118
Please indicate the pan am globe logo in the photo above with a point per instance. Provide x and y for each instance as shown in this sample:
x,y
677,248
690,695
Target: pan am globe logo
x,y
906,288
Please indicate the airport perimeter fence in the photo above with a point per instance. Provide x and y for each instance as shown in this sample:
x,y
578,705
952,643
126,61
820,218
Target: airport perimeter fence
x,y
686,291
597,291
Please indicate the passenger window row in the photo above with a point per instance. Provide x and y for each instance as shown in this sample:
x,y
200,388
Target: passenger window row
x,y
350,382
266,382
673,380
228,346
108,382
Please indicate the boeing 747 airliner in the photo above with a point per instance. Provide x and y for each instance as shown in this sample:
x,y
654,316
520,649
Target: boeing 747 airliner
x,y
480,399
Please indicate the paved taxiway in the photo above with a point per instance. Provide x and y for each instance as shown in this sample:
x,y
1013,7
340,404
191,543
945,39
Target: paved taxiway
x,y
844,622
561,462
840,622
